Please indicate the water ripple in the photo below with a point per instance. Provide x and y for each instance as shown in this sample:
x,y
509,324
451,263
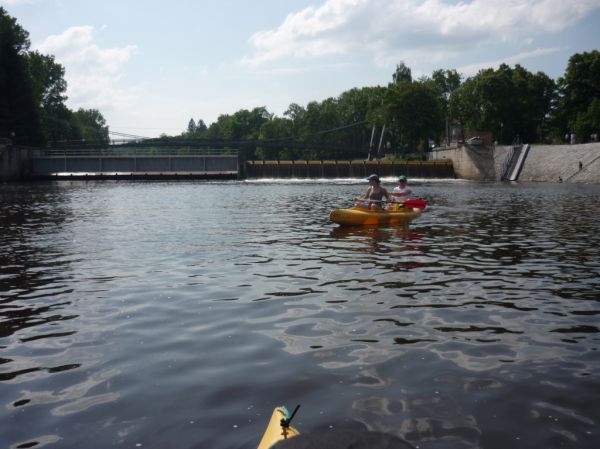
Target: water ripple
x,y
216,301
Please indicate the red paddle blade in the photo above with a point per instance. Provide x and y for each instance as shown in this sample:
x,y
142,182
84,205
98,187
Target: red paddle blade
x,y
417,204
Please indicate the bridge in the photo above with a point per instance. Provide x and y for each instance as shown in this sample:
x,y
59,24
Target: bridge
x,y
135,162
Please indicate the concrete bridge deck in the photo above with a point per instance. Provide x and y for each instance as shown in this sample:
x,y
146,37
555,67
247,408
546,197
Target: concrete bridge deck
x,y
120,163
133,160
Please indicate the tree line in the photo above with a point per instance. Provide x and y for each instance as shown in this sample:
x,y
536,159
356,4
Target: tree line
x,y
509,103
32,95
403,118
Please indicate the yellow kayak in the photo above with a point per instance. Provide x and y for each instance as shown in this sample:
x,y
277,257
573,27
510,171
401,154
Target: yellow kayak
x,y
359,216
276,431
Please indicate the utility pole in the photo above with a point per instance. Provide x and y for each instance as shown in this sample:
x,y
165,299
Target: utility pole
x,y
370,155
380,141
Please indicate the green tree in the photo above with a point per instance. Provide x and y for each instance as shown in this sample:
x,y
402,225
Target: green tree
x,y
218,129
355,107
92,125
510,103
32,94
19,115
411,111
248,123
201,127
579,91
240,126
274,130
588,122
296,114
413,114
49,89
445,82
191,128
402,75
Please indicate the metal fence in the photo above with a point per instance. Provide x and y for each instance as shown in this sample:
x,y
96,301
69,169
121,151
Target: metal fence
x,y
136,151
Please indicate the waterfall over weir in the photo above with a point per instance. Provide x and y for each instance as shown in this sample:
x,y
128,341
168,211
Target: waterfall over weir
x,y
346,169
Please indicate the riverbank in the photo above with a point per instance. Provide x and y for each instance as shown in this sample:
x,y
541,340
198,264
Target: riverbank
x,y
10,164
578,163
563,163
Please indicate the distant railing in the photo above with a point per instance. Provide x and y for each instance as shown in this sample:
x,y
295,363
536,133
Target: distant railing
x,y
135,151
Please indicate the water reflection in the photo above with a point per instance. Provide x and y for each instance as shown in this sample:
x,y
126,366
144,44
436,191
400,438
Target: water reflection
x,y
217,301
375,239
32,281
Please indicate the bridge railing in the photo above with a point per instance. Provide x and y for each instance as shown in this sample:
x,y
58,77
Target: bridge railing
x,y
135,151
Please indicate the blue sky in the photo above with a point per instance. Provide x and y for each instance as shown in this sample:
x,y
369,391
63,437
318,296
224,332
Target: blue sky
x,y
149,65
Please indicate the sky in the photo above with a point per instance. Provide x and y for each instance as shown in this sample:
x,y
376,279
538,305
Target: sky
x,y
149,66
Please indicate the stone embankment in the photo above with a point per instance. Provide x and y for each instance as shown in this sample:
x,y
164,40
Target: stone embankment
x,y
579,163
11,165
569,163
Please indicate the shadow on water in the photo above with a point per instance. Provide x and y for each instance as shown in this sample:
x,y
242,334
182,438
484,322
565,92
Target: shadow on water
x,y
33,268
375,239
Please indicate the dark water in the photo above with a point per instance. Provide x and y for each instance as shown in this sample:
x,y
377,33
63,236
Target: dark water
x,y
177,315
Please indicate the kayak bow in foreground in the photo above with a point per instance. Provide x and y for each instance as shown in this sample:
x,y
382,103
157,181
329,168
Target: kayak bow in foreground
x,y
279,428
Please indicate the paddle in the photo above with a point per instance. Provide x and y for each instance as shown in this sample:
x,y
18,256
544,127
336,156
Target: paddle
x,y
415,204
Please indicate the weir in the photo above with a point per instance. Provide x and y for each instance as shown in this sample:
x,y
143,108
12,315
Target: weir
x,y
347,169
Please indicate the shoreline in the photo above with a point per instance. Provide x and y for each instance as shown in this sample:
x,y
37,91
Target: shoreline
x,y
577,164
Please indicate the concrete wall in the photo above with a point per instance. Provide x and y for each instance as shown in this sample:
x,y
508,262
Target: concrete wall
x,y
13,163
555,162
472,162
544,163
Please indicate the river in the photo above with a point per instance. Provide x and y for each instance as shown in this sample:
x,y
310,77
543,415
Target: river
x,y
177,315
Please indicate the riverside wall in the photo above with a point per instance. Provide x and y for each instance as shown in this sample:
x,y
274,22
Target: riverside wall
x,y
561,163
578,163
13,164
476,163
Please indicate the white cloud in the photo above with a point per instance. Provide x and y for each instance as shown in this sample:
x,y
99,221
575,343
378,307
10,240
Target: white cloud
x,y
472,69
390,30
93,73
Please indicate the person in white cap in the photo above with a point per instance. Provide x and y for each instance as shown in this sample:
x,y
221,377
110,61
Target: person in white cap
x,y
401,192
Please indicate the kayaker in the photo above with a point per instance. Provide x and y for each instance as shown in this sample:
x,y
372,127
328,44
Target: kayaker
x,y
401,192
373,198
